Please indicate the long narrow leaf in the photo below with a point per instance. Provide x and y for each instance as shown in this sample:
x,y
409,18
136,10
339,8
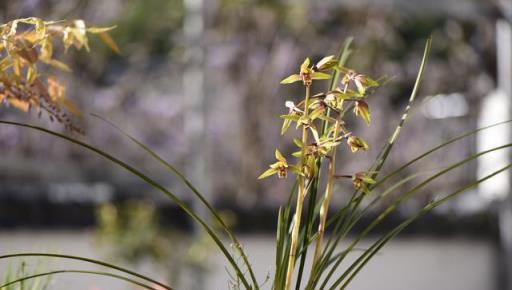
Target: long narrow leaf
x,y
284,242
416,159
429,207
87,260
115,276
151,182
410,193
387,148
379,162
327,257
436,148
196,192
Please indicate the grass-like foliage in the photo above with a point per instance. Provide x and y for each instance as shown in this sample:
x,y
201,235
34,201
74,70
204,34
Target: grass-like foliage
x,y
13,273
303,221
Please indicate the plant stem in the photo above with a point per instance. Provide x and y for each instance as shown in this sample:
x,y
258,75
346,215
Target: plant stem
x,y
300,198
327,199
328,193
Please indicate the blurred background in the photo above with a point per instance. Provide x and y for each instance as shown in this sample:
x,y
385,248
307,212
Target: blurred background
x,y
198,81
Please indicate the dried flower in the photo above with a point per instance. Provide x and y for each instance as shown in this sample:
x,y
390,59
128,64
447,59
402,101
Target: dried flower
x,y
361,180
357,144
24,45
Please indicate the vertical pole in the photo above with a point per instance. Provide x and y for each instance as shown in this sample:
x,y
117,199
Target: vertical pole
x,y
504,64
194,115
504,81
497,107
193,91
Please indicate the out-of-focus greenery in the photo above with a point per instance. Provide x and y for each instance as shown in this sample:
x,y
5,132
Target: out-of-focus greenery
x,y
134,231
13,273
133,234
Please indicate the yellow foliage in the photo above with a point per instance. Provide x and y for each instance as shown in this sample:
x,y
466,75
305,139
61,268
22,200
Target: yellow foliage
x,y
27,50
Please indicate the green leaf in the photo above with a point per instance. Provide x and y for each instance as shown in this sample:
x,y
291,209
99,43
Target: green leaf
x,y
296,169
87,260
267,173
370,82
405,196
399,183
342,220
389,145
305,65
97,30
326,63
97,273
292,117
330,143
279,156
438,147
374,249
291,79
368,179
194,190
316,113
286,125
320,76
326,118
151,182
298,142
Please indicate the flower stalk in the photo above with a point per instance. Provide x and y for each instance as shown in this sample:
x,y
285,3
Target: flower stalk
x,y
300,196
327,198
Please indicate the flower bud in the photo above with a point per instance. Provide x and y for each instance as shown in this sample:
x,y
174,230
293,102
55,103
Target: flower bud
x,y
357,144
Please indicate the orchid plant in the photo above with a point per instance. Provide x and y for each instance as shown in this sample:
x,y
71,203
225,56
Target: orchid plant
x,y
323,131
320,117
